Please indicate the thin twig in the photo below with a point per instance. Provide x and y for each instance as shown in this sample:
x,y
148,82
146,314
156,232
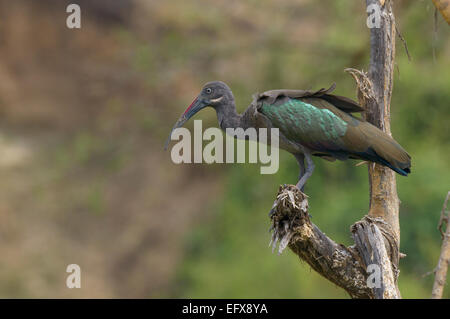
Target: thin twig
x,y
405,45
435,32
444,258
444,216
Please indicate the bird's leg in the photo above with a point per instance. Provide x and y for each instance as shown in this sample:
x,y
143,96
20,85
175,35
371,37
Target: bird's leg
x,y
305,173
301,162
309,170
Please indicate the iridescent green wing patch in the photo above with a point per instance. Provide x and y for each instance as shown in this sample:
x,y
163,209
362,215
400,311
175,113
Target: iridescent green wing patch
x,y
305,123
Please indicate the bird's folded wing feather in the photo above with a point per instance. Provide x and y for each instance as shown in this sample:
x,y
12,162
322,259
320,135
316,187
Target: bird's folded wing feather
x,y
341,102
312,122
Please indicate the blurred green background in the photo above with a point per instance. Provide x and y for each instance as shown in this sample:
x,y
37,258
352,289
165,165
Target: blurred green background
x,y
83,119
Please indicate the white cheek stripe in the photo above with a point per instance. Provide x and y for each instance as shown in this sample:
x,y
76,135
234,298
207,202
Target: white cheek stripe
x,y
217,100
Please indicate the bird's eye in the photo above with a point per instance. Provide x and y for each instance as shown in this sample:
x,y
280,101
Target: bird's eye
x,y
208,90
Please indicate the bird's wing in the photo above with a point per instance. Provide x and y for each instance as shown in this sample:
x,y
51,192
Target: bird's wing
x,y
341,102
308,122
365,141
326,130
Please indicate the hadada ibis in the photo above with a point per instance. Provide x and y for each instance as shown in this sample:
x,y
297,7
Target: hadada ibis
x,y
310,123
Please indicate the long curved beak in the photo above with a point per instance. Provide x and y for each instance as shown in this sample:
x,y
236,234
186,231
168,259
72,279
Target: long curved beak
x,y
195,106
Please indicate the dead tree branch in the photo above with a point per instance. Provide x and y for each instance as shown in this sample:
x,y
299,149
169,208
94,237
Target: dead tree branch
x,y
370,237
337,263
444,259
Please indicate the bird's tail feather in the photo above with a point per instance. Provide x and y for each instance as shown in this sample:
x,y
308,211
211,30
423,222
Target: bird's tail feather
x,y
384,150
401,168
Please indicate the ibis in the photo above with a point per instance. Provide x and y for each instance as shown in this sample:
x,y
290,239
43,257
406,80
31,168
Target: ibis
x,y
310,123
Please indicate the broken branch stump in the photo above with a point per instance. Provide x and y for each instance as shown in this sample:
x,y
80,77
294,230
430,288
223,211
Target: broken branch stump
x,y
344,266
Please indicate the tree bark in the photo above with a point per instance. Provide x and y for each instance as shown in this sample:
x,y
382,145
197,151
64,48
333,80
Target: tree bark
x,y
384,201
444,259
292,227
376,236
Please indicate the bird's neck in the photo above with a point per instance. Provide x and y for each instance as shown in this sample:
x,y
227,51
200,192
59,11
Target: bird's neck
x,y
228,117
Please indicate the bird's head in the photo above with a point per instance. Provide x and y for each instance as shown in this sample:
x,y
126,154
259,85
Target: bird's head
x,y
215,94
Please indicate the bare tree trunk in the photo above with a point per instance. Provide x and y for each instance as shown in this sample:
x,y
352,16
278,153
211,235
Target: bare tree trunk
x,y
368,269
384,201
374,94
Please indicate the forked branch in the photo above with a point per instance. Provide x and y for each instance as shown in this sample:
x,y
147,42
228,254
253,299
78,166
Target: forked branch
x,y
344,266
